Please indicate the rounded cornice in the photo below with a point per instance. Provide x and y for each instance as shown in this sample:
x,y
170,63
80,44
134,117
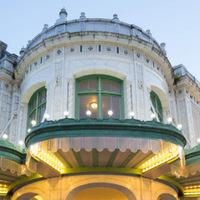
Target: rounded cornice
x,y
104,127
11,152
69,33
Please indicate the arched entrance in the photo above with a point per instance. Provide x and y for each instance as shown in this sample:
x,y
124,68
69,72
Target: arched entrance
x,y
101,191
30,196
166,197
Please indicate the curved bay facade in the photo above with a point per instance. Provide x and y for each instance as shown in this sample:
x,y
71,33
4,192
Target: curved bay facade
x,y
102,114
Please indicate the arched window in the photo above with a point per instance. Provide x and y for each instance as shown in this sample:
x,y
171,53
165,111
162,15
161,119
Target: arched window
x,y
157,105
99,94
36,106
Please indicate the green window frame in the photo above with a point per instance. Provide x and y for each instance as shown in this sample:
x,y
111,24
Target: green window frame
x,y
36,106
157,105
105,91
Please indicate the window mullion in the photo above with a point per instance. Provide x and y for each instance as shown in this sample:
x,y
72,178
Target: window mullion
x,y
99,100
37,109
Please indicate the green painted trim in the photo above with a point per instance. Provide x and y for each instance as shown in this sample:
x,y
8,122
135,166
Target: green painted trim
x,y
105,127
130,157
103,170
192,155
78,158
172,181
11,152
95,157
157,105
112,158
23,181
36,95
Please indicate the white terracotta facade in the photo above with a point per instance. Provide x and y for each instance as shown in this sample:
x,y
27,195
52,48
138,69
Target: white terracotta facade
x,y
60,54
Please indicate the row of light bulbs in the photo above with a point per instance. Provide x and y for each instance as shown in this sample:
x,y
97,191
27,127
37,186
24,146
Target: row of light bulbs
x,y
110,113
192,187
160,162
5,137
192,193
48,159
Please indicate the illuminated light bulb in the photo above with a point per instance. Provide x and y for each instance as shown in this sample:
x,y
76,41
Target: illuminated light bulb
x,y
94,105
33,122
46,116
29,130
20,142
110,113
66,113
169,120
5,136
132,114
88,113
179,126
153,116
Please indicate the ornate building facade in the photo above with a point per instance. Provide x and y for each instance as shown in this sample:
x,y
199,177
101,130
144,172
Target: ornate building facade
x,y
93,109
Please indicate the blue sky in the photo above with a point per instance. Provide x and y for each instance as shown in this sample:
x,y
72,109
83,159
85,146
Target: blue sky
x,y
175,22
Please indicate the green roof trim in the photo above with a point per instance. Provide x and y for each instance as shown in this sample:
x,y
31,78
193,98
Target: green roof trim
x,y
105,127
12,152
192,155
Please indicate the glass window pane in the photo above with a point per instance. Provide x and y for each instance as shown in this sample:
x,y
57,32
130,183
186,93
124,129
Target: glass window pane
x,y
92,84
41,110
115,87
106,106
93,106
115,107
42,97
33,117
33,105
83,85
82,106
106,85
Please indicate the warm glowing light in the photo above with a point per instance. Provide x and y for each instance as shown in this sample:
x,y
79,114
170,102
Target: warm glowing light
x,y
160,158
110,113
5,136
153,116
66,113
20,142
33,122
88,113
94,105
131,114
46,116
48,158
169,120
179,126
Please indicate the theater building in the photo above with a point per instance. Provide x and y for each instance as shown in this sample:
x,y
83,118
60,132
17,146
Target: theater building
x,y
93,109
